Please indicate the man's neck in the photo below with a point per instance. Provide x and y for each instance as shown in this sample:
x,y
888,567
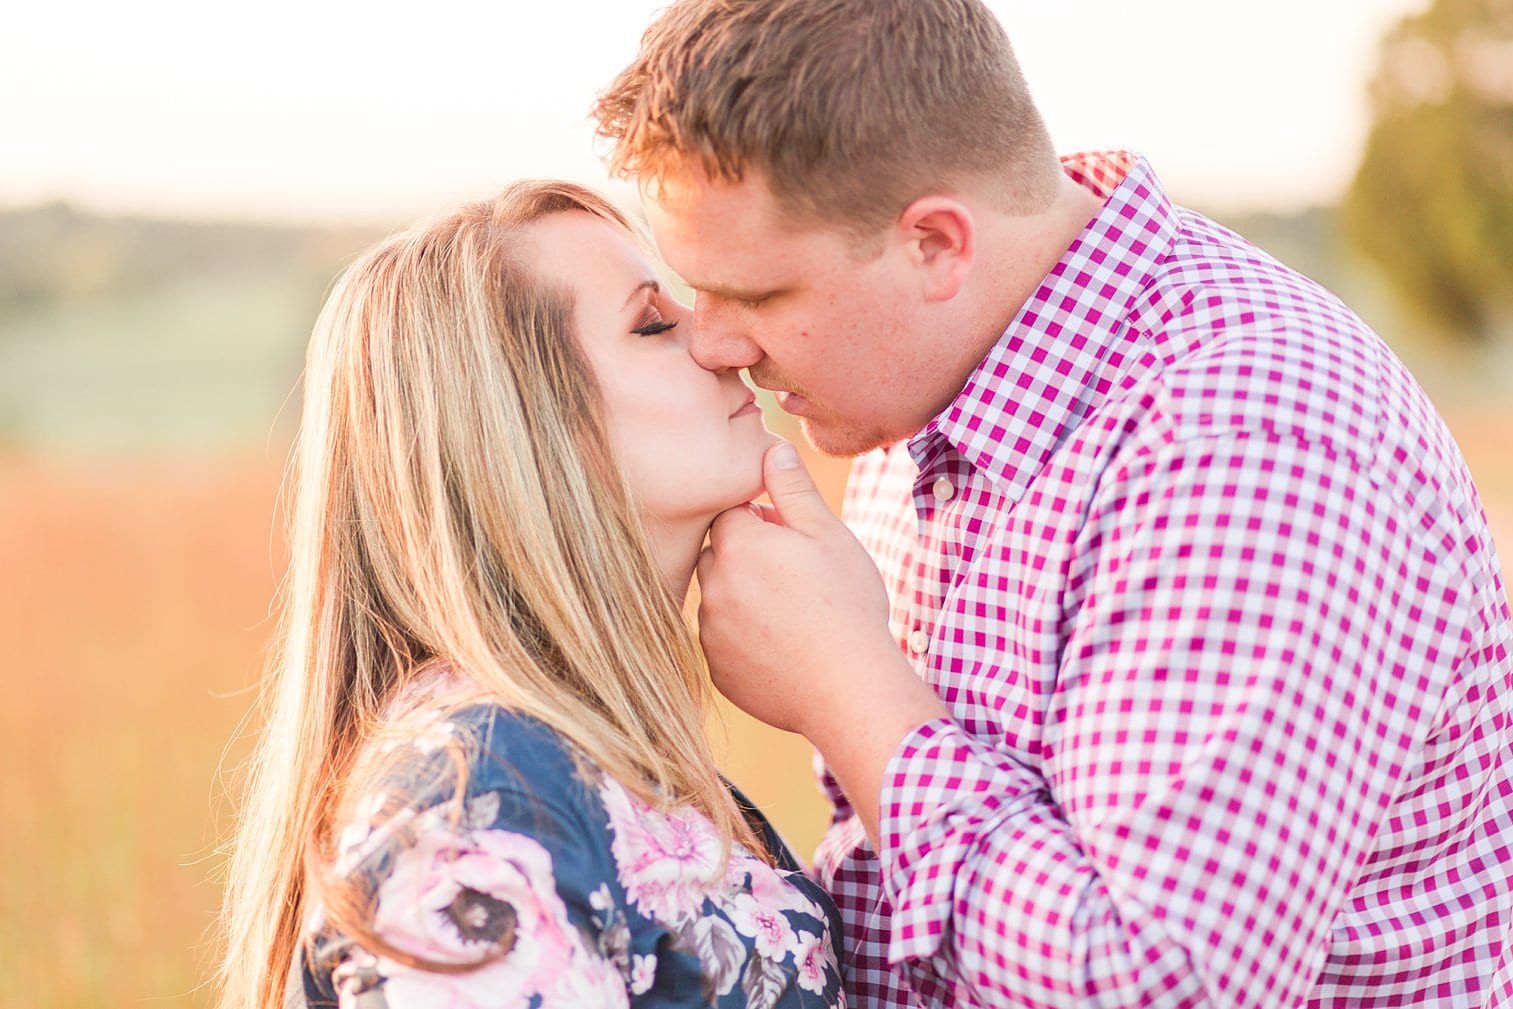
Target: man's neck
x,y
1019,251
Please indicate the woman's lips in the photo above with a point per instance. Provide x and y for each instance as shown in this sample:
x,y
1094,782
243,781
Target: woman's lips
x,y
747,409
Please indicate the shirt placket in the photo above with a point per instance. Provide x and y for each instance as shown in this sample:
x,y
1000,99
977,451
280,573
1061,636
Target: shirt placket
x,y
937,497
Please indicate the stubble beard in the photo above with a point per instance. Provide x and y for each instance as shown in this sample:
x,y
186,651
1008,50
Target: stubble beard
x,y
836,438
841,442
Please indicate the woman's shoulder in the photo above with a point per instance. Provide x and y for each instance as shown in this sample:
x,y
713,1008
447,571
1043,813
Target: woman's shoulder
x,y
439,740
519,754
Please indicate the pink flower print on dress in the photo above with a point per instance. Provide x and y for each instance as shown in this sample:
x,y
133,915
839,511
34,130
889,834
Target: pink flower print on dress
x,y
457,898
775,937
370,829
590,981
643,973
424,729
354,977
668,862
812,957
771,887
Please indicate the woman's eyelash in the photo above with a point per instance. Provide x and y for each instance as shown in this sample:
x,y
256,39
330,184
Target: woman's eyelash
x,y
654,328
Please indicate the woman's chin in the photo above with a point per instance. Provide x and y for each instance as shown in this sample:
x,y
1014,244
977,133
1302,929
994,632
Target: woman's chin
x,y
753,486
759,484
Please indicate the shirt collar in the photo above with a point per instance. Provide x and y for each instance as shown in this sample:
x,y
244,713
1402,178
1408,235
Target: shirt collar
x,y
1068,346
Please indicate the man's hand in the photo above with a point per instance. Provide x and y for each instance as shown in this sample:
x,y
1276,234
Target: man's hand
x,y
794,621
793,612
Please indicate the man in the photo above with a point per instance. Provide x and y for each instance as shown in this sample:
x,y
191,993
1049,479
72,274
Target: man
x,y
1191,682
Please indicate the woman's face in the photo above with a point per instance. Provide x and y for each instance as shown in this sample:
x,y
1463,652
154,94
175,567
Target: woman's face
x,y
690,441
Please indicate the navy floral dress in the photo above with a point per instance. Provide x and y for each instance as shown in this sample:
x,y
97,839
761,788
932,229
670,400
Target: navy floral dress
x,y
597,898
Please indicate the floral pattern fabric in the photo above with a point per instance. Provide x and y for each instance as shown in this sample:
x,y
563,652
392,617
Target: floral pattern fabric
x,y
549,884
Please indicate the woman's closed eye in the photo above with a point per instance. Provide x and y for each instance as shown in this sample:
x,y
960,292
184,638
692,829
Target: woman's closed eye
x,y
654,326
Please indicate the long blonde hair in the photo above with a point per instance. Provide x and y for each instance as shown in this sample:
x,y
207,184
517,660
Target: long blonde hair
x,y
455,502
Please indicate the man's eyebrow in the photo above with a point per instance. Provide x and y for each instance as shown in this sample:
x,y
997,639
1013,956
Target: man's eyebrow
x,y
645,285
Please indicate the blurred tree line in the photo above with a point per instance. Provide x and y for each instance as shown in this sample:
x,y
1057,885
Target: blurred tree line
x,y
56,253
1432,202
128,333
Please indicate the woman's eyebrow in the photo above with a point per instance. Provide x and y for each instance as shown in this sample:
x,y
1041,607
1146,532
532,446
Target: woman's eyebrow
x,y
645,285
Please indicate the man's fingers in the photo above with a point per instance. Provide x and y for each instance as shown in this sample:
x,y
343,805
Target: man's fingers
x,y
729,523
704,571
767,513
794,496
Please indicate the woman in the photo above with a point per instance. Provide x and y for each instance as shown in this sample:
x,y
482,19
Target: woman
x,y
484,779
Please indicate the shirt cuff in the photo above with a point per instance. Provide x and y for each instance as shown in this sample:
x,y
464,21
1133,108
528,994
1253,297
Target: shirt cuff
x,y
942,792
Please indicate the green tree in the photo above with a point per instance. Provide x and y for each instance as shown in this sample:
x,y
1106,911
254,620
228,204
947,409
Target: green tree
x,y
1432,202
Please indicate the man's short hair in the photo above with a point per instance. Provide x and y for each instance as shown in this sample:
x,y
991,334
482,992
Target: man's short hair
x,y
850,109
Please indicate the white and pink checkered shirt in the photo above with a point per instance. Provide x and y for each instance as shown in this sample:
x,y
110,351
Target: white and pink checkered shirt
x,y
1211,597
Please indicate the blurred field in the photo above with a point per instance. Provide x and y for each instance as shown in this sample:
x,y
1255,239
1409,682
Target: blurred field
x,y
134,608
134,595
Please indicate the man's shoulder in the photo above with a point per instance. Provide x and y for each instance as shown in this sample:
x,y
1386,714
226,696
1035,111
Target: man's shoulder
x,y
1217,277
1246,342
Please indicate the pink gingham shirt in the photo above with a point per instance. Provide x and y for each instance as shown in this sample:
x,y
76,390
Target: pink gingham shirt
x,y
1209,592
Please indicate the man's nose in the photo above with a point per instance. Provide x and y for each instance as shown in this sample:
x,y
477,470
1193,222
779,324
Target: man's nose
x,y
720,340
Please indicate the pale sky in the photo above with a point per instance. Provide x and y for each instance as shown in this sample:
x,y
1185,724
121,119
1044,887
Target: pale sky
x,y
379,112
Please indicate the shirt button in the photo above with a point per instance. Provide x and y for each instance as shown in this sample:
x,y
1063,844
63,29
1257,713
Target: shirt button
x,y
943,490
919,641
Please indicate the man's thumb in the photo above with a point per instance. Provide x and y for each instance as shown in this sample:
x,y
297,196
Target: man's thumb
x,y
791,488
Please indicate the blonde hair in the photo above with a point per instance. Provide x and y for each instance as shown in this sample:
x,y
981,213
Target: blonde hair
x,y
454,503
850,109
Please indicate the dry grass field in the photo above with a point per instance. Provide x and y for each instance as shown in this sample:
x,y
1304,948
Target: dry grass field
x,y
133,614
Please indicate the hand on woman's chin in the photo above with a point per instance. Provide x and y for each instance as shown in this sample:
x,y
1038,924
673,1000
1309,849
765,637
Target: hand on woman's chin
x,y
759,485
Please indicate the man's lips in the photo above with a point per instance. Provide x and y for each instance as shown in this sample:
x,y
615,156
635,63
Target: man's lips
x,y
792,402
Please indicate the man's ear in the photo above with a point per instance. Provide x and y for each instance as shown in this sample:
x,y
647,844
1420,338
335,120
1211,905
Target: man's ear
x,y
941,241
